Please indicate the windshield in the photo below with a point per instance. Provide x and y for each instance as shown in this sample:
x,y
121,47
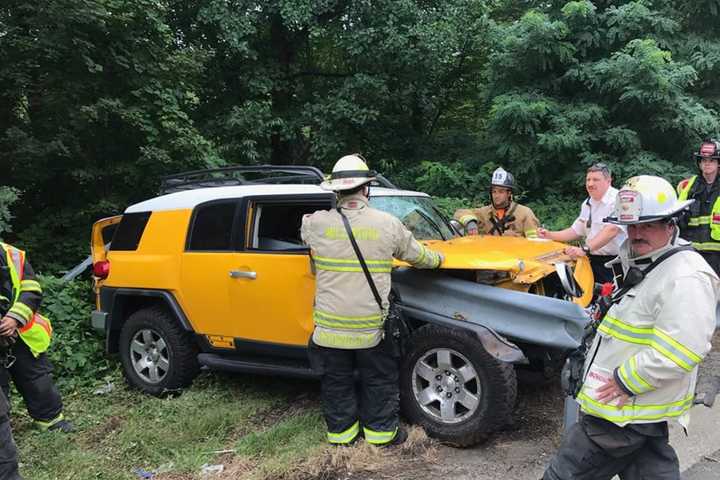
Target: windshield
x,y
418,214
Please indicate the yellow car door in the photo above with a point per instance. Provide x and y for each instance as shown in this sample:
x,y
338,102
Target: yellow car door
x,y
274,285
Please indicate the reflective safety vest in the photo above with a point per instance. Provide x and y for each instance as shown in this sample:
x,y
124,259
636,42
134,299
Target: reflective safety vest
x,y
712,220
37,332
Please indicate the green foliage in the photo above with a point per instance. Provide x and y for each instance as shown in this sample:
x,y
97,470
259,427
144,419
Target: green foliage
x,y
102,98
76,351
556,212
631,84
8,196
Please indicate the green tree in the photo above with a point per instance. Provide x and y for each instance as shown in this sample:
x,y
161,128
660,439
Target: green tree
x,y
576,83
95,105
300,81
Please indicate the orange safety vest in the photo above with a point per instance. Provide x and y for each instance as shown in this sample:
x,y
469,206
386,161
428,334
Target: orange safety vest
x,y
36,333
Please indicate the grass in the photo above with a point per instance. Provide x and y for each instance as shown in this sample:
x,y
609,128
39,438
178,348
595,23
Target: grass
x,y
257,428
267,425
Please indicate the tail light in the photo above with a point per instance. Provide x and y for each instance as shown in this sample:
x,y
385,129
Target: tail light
x,y
101,269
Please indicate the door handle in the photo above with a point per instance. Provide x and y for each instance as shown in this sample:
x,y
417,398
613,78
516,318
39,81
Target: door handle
x,y
243,274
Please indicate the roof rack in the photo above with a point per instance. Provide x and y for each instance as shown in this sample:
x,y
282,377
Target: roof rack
x,y
250,175
240,175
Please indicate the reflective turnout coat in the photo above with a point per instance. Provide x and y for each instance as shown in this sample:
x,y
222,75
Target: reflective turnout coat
x,y
518,221
345,313
653,340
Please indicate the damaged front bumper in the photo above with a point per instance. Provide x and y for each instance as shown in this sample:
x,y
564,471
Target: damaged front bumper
x,y
497,316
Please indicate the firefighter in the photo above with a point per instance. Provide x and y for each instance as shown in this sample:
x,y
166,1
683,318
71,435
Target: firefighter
x,y
702,224
349,322
642,366
503,216
30,369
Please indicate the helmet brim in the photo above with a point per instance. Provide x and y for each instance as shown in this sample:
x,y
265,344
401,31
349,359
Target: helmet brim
x,y
680,206
341,184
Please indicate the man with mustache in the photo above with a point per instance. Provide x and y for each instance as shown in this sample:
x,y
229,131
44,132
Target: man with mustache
x,y
641,369
602,240
702,225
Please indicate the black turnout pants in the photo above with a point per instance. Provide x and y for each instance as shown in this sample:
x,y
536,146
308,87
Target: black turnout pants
x,y
595,449
8,452
33,379
374,400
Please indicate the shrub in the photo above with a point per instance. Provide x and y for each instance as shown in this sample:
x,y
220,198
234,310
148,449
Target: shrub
x,y
76,351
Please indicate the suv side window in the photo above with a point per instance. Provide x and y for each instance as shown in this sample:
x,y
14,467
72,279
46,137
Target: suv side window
x,y
276,224
129,231
212,227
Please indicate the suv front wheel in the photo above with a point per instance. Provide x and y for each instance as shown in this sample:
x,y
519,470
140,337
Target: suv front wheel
x,y
157,355
453,388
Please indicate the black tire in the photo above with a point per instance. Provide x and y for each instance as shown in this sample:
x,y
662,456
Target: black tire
x,y
168,364
482,389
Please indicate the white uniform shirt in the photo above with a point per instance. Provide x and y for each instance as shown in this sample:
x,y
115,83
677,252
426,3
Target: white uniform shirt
x,y
597,211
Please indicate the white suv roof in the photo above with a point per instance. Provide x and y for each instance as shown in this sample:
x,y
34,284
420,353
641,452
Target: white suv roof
x,y
189,199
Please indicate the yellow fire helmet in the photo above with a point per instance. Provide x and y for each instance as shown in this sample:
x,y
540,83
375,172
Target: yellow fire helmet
x,y
349,172
645,199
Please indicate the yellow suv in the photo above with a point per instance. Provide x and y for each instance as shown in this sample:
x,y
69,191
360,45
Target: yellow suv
x,y
213,273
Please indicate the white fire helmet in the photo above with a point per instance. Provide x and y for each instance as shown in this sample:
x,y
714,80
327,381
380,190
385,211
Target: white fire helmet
x,y
645,199
349,172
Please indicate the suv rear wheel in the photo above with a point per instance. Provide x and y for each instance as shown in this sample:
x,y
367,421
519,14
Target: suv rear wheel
x,y
157,355
454,388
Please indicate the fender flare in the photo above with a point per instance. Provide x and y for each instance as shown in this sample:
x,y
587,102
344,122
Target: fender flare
x,y
113,301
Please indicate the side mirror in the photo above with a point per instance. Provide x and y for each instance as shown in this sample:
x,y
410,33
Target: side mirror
x,y
567,280
457,226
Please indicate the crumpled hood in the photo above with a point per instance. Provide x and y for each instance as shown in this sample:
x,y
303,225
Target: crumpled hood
x,y
485,252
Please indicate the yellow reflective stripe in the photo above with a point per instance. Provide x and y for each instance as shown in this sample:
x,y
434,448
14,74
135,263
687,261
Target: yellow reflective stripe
x,y
707,246
330,320
627,381
341,317
678,346
696,221
345,437
640,331
636,376
44,425
652,337
22,310
378,438
427,258
468,218
350,340
330,268
628,413
360,233
348,265
30,286
336,321
632,379
351,261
